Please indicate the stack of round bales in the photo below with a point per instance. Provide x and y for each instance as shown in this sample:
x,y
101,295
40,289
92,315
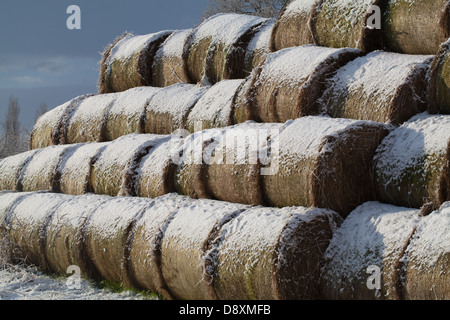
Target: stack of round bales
x,y
294,25
216,49
380,86
416,27
169,67
322,162
364,258
128,61
439,86
290,82
412,163
349,23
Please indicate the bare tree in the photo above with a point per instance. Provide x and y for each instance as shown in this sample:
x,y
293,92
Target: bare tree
x,y
15,138
261,8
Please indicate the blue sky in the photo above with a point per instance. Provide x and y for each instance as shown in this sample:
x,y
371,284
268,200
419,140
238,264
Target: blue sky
x,y
43,61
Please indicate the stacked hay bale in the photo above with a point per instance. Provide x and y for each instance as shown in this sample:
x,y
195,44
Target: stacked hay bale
x,y
411,164
48,128
267,254
169,108
216,48
259,47
11,167
348,23
290,82
322,162
127,113
112,173
439,86
169,67
416,27
363,260
427,258
380,86
215,108
128,61
294,25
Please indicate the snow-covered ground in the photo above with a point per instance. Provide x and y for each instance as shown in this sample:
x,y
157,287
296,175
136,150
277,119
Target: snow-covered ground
x,y
27,283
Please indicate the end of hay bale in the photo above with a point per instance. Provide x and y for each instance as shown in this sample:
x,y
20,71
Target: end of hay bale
x,y
439,82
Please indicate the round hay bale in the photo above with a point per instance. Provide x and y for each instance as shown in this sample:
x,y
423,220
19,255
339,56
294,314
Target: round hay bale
x,y
215,50
47,129
233,171
107,237
416,27
345,23
243,110
215,108
39,174
156,173
87,122
410,163
373,238
439,86
168,109
27,226
272,254
11,167
259,47
322,162
127,113
381,86
147,235
64,244
128,62
185,245
190,174
293,25
169,66
428,258
292,80
73,174
112,172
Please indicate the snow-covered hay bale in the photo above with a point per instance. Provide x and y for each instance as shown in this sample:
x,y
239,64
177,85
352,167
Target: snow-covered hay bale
x,y
234,169
272,254
48,129
11,167
127,63
191,160
216,49
112,172
349,23
293,25
186,244
87,122
27,226
290,82
107,237
363,260
411,164
155,175
169,66
439,86
127,113
73,174
145,249
259,47
243,110
416,27
381,86
39,174
428,258
322,162
64,243
215,108
168,109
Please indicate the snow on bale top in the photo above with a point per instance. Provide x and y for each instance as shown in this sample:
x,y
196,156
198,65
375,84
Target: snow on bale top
x,y
411,161
259,46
